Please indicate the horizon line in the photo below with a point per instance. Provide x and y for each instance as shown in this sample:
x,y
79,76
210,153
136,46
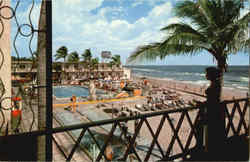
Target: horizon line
x,y
182,65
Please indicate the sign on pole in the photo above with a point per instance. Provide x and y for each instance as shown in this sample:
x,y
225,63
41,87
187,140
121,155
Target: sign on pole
x,y
106,54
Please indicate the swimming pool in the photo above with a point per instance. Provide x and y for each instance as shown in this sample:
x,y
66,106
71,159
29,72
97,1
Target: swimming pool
x,y
68,91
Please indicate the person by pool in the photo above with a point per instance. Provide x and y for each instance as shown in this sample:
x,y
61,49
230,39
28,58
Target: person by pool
x,y
73,100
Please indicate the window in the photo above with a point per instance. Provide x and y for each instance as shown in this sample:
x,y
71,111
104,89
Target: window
x,y
22,66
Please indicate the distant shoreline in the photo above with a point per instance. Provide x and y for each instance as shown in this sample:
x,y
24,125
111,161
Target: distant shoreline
x,y
227,93
179,65
237,76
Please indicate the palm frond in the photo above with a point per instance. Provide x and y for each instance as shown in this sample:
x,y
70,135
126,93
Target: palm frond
x,y
238,41
190,10
246,46
178,49
181,28
207,9
73,57
231,10
245,19
62,52
142,53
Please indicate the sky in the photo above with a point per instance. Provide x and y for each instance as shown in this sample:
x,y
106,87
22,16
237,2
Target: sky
x,y
119,26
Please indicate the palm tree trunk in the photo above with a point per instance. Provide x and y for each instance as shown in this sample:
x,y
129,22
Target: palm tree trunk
x,y
222,68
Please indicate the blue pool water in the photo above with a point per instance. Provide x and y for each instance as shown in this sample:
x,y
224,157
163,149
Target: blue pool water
x,y
68,91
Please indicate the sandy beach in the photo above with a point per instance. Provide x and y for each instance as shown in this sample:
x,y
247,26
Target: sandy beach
x,y
227,93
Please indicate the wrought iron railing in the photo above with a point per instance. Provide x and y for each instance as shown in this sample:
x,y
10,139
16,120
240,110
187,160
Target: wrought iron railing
x,y
165,117
169,151
237,120
27,31
181,138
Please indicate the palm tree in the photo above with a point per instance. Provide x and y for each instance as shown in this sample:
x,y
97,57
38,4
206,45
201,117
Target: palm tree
x,y
94,64
216,27
115,61
62,52
87,56
73,57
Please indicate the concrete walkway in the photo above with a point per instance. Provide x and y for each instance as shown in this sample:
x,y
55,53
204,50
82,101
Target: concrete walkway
x,y
98,101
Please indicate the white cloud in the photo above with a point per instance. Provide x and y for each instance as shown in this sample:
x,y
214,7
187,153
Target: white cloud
x,y
161,10
79,5
82,30
114,11
135,3
73,12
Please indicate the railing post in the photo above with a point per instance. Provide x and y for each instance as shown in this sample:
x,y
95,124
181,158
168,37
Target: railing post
x,y
44,77
49,112
215,129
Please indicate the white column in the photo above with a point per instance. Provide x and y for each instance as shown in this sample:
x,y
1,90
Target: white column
x,y
5,44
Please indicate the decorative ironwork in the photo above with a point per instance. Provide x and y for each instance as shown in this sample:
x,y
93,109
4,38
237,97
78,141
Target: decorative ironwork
x,y
234,106
241,105
26,30
165,152
131,149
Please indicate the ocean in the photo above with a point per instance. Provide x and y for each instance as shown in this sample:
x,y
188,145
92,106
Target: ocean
x,y
236,77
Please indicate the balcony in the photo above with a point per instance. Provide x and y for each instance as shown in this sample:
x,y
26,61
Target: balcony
x,y
179,135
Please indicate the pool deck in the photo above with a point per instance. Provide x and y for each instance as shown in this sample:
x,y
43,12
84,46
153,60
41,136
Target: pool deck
x,y
97,101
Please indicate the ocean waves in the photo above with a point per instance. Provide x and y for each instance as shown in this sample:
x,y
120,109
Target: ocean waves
x,y
194,74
